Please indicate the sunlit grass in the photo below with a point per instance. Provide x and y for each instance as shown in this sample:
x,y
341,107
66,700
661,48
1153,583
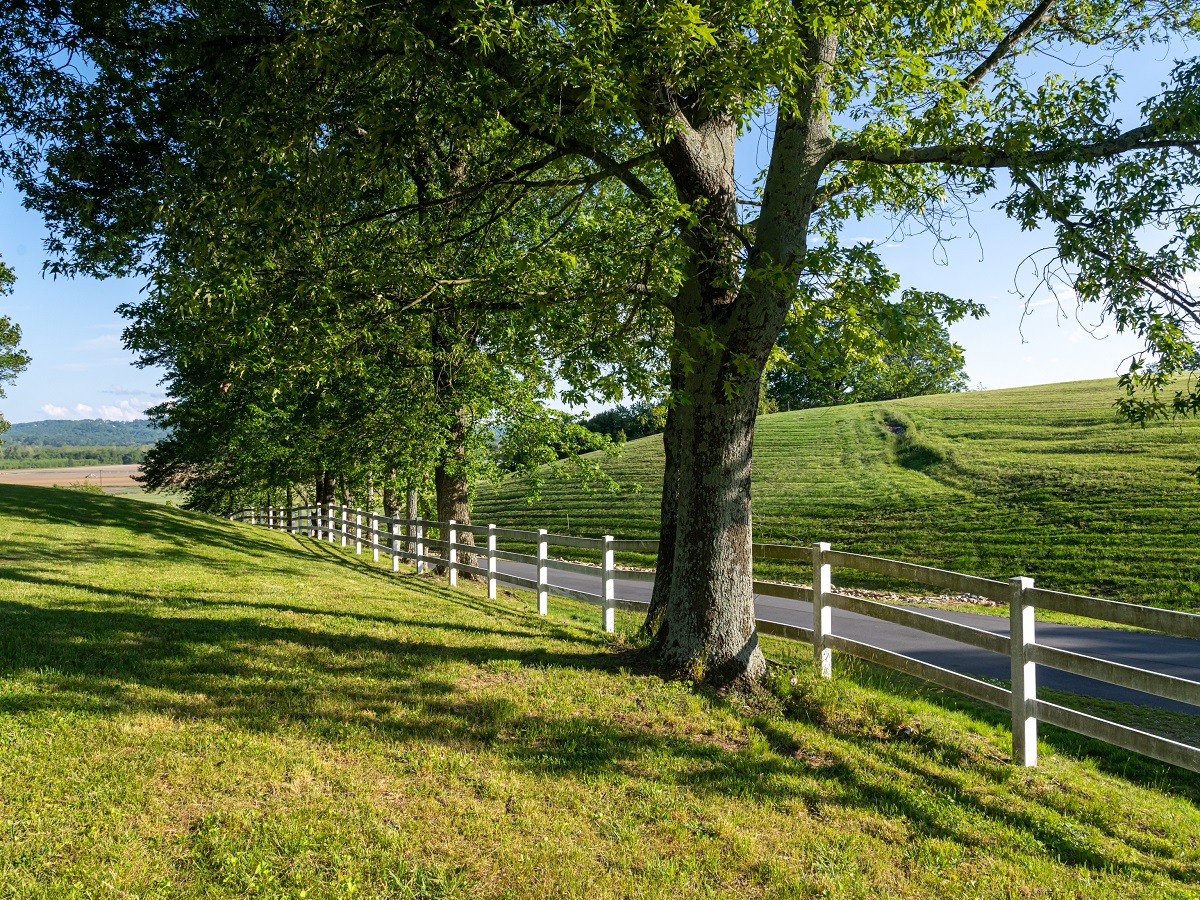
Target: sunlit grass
x,y
191,708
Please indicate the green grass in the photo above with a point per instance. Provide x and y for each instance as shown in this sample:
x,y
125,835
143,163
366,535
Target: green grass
x,y
192,708
1041,481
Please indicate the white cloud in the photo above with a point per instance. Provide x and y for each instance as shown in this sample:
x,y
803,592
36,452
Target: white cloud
x,y
121,411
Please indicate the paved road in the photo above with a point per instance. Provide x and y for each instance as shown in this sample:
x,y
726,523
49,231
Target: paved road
x,y
1159,653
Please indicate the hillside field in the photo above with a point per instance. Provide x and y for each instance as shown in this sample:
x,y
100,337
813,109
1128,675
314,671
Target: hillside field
x,y
191,708
1040,481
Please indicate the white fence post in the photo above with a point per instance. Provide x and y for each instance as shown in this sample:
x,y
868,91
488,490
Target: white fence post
x,y
345,523
452,553
543,572
332,525
375,537
270,517
491,562
609,585
822,584
420,546
394,527
357,531
1024,673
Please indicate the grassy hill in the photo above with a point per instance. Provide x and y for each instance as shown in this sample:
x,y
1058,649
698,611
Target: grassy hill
x,y
195,709
1041,481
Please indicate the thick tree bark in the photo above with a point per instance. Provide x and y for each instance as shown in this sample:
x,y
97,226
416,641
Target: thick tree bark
x,y
454,502
708,626
727,318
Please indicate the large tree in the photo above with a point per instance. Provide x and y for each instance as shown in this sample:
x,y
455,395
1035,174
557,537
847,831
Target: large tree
x,y
902,107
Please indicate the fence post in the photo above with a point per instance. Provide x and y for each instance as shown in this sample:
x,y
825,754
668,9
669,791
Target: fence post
x,y
331,522
491,562
394,526
452,553
345,520
609,586
375,536
543,572
270,517
420,546
357,531
822,584
1024,673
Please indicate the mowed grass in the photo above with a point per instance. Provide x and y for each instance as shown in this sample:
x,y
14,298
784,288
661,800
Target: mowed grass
x,y
192,708
1041,481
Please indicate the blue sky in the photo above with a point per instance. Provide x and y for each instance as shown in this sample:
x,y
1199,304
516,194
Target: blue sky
x,y
80,369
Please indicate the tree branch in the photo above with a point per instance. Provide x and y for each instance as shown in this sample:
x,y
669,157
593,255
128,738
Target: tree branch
x,y
982,156
1005,46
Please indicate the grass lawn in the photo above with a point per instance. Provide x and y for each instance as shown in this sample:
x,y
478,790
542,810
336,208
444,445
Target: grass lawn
x,y
1041,481
192,708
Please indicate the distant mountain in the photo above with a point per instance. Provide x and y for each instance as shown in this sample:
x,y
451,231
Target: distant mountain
x,y
82,433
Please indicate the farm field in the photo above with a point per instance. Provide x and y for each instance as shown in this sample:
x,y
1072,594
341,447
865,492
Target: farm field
x,y
193,708
1041,481
117,479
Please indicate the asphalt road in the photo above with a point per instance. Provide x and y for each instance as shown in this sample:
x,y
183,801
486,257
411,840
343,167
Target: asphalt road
x,y
1146,650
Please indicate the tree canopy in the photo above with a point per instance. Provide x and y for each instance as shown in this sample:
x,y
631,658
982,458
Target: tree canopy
x,y
582,157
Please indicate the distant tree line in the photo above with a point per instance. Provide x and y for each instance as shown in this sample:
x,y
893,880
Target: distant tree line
x,y
18,456
84,433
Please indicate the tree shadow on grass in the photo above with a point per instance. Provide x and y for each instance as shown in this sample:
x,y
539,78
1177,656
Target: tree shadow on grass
x,y
268,678
1107,758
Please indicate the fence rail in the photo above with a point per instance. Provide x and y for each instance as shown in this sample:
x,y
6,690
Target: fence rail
x,y
410,539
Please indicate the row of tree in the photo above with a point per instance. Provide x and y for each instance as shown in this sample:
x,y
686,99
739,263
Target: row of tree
x,y
376,236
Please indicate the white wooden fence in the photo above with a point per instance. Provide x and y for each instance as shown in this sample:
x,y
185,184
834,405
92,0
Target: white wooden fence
x,y
382,534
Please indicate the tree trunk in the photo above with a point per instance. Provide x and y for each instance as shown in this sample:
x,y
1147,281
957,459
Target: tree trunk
x,y
411,511
727,318
325,487
453,502
708,627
